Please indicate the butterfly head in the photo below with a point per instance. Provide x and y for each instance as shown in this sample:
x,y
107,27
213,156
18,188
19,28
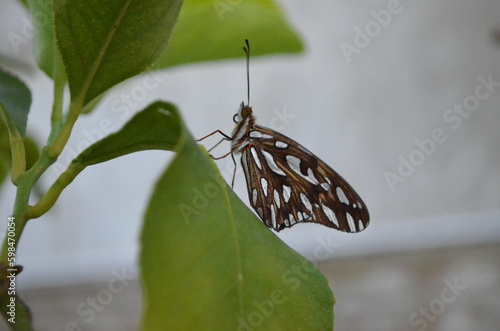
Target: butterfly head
x,y
243,113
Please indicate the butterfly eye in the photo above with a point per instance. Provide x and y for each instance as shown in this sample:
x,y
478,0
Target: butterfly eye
x,y
246,111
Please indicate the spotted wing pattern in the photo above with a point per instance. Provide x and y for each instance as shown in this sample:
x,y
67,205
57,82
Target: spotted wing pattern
x,y
287,184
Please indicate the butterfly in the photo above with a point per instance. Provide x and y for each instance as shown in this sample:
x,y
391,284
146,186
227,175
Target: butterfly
x,y
286,183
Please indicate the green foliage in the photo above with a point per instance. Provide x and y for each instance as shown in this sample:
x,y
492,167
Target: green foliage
x,y
15,97
30,147
152,128
206,27
206,259
15,102
102,43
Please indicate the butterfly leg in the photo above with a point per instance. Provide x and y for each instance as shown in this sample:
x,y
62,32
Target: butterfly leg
x,y
234,171
226,137
213,147
223,156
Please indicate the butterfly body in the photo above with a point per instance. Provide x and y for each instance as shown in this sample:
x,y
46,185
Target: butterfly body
x,y
287,184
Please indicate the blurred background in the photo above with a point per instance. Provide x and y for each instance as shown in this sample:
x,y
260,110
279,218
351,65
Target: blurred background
x,y
402,98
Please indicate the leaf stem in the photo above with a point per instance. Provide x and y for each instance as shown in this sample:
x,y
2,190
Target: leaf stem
x,y
20,212
23,212
55,149
50,198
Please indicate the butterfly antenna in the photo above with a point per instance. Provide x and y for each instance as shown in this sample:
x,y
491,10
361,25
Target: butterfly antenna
x,y
247,52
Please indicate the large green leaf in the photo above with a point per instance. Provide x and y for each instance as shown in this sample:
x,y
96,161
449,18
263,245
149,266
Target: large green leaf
x,y
211,29
105,42
16,99
208,263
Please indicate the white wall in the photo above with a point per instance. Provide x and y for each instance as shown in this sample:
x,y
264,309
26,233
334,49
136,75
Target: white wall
x,y
361,116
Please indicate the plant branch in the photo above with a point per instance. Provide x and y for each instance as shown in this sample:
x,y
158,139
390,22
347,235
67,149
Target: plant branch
x,y
20,211
50,198
55,149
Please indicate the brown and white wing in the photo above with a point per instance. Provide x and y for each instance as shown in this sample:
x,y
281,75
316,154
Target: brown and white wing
x,y
287,185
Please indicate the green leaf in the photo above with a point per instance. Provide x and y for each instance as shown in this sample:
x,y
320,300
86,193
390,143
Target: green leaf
x,y
43,25
16,99
105,42
30,149
208,262
216,29
15,102
156,127
16,146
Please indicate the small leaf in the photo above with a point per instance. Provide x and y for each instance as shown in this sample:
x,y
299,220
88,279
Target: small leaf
x,y
156,127
16,146
30,148
16,99
215,29
105,42
208,261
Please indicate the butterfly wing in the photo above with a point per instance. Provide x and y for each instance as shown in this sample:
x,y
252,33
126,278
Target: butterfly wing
x,y
287,184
